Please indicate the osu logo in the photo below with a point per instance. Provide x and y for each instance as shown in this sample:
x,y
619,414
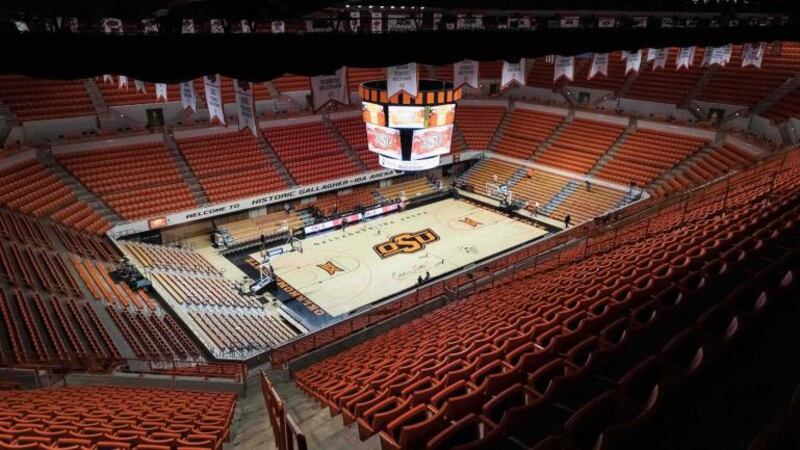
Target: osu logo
x,y
330,267
405,243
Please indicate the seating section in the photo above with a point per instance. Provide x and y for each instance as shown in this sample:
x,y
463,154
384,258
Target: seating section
x,y
165,257
310,152
106,417
230,165
70,335
613,82
242,334
23,229
342,202
667,85
355,133
292,83
415,187
251,229
587,203
486,172
478,124
36,99
83,244
31,188
137,180
709,166
786,108
737,85
525,131
579,350
646,154
579,145
538,186
154,336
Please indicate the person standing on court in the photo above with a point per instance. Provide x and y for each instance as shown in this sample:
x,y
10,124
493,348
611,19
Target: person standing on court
x,y
567,220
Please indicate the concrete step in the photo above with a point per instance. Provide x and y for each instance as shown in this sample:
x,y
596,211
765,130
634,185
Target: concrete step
x,y
273,158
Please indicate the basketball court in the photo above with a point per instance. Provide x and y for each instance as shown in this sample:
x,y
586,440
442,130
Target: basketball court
x,y
340,271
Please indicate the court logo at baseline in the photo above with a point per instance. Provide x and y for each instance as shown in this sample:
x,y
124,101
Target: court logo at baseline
x,y
405,243
330,267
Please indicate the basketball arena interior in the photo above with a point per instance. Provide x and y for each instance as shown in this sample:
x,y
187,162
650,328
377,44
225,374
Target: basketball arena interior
x,y
320,225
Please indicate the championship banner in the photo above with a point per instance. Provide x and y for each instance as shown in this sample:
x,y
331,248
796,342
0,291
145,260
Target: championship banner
x,y
707,56
187,27
400,23
140,86
633,62
122,82
550,59
188,99
112,26
402,78
217,26
564,66
377,23
513,73
715,55
245,105
465,73
727,53
437,20
161,91
753,55
214,98
685,58
606,22
245,27
640,22
149,26
278,27
330,88
108,79
519,23
651,55
570,22
599,65
469,22
73,24
355,21
660,61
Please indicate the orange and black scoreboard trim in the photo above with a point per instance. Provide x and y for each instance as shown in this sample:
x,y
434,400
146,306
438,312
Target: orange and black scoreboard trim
x,y
431,93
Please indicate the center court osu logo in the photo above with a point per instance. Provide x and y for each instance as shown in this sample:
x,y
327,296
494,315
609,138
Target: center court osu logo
x,y
405,243
330,267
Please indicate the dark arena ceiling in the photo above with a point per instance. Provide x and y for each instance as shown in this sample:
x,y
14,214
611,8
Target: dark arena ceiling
x,y
49,50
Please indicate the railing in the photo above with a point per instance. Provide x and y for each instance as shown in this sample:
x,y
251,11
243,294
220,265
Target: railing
x,y
640,219
288,435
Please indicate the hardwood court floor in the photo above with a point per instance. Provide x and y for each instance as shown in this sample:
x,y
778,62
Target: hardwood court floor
x,y
341,270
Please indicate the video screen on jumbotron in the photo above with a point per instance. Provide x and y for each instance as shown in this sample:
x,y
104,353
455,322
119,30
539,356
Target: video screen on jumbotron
x,y
384,141
433,141
421,116
373,113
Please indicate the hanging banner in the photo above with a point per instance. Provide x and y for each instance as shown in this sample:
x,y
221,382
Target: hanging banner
x,y
140,87
753,54
245,27
355,21
651,55
400,23
633,62
640,22
277,27
245,106
685,58
187,27
570,22
122,82
465,73
112,25
330,88
660,60
161,91
469,22
217,26
72,24
377,23
402,78
550,59
214,98
108,79
727,53
149,26
716,55
519,23
564,67
188,99
599,65
513,73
